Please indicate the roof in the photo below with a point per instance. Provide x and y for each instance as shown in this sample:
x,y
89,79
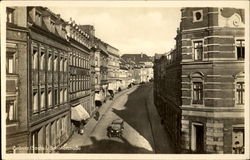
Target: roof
x,y
137,58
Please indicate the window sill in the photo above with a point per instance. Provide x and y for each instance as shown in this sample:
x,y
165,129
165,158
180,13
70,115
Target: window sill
x,y
13,124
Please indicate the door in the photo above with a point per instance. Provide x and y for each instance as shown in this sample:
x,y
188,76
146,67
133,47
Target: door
x,y
197,138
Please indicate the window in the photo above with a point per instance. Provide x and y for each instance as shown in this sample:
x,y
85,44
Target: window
x,y
197,93
198,50
35,102
49,62
238,140
65,95
65,65
52,25
240,49
10,63
10,15
42,61
55,63
240,91
42,103
11,112
35,59
61,96
61,64
49,98
56,97
38,18
197,16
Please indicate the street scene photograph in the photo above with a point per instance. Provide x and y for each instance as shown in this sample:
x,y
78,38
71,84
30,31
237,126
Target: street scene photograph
x,y
124,80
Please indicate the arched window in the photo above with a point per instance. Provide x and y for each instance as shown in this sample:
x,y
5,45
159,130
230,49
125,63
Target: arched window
x,y
197,88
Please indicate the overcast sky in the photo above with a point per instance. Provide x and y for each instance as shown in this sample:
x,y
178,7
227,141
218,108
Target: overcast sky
x,y
131,30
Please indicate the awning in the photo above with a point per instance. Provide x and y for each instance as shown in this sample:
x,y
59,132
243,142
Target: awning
x,y
79,113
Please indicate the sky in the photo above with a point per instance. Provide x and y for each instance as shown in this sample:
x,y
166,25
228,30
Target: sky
x,y
131,30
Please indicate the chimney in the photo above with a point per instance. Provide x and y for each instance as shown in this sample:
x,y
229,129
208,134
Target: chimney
x,y
141,55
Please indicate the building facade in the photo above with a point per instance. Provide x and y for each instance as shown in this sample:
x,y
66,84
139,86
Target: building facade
x,y
17,130
113,68
49,106
80,96
204,81
142,66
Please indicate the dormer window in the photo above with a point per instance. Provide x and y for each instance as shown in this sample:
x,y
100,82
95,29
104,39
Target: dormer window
x,y
10,15
52,25
38,18
197,16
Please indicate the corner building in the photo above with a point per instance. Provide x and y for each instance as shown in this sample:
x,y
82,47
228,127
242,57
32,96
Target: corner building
x,y
210,80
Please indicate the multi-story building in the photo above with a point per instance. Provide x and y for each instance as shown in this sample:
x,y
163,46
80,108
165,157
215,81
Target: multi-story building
x,y
80,96
17,129
142,66
125,76
38,114
204,82
48,79
113,68
102,61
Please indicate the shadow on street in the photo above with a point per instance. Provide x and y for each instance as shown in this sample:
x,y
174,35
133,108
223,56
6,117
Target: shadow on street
x,y
107,146
136,114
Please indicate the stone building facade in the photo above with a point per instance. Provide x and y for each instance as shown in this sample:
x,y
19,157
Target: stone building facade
x,y
17,129
204,81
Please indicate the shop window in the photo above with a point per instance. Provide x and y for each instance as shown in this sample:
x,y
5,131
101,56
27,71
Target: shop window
x,y
11,111
35,59
240,49
35,102
198,50
10,63
240,92
197,16
10,15
34,144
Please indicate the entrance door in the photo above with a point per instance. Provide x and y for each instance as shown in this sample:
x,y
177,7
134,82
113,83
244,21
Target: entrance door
x,y
197,138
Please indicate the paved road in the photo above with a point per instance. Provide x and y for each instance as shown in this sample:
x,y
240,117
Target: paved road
x,y
142,134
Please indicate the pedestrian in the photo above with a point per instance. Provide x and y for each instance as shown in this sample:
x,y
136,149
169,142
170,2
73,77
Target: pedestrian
x,y
97,115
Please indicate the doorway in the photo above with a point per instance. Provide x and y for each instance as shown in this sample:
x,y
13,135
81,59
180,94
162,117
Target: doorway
x,y
197,138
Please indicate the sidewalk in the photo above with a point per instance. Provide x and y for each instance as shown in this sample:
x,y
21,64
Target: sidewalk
x,y
159,132
77,139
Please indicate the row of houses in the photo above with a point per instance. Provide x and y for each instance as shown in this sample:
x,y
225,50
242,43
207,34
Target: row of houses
x,y
199,86
55,70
